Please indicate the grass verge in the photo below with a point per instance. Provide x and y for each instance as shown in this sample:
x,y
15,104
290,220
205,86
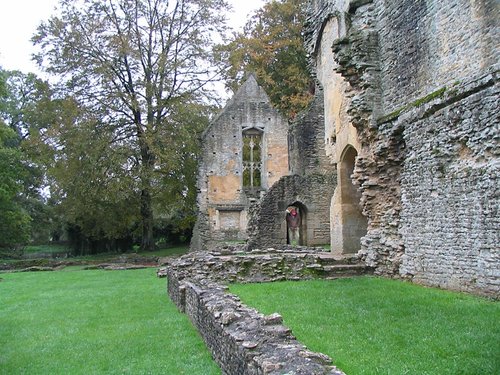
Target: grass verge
x,y
95,322
378,326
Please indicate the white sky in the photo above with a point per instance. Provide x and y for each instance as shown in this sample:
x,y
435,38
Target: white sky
x,y
20,18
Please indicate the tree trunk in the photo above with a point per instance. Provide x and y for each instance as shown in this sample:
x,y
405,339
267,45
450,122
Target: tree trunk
x,y
147,158
147,242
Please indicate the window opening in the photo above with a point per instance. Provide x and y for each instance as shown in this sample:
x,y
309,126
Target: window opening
x,y
252,158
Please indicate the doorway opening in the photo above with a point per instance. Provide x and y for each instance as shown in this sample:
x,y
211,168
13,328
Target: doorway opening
x,y
349,225
296,224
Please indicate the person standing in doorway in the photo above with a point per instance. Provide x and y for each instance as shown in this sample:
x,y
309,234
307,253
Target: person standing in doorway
x,y
293,225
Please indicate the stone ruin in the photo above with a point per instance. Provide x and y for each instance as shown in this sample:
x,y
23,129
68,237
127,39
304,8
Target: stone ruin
x,y
244,152
397,158
395,165
242,340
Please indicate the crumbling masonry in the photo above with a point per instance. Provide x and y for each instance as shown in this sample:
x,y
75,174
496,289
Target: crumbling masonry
x,y
411,129
395,165
244,152
397,160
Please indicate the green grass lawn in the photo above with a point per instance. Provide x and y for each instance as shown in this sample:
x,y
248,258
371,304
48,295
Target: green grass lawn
x,y
378,326
95,322
170,251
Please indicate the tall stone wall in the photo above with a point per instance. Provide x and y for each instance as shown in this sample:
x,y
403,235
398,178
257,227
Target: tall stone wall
x,y
423,98
437,78
450,216
429,44
311,184
306,145
223,200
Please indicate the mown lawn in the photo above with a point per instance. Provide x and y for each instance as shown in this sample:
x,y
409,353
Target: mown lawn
x,y
95,322
378,326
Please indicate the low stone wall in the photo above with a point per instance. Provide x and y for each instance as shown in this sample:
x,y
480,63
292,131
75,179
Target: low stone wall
x,y
285,263
242,340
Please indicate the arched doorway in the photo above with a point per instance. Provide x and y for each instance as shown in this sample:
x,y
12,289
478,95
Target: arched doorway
x,y
348,223
296,223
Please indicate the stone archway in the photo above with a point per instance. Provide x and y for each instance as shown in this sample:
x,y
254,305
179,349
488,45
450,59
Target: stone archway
x,y
348,223
302,230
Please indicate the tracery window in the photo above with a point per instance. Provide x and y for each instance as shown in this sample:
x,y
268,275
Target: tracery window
x,y
252,158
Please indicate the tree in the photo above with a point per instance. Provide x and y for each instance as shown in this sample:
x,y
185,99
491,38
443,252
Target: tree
x,y
271,45
14,221
27,108
129,65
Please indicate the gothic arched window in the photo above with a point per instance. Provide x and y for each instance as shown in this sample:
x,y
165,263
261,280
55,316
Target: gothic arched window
x,y
252,158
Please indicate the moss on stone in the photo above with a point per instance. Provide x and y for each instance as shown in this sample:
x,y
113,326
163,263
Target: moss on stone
x,y
245,267
417,103
426,99
281,266
312,272
391,116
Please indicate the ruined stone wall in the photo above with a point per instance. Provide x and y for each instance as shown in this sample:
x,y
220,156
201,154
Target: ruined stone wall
x,y
311,184
306,145
429,44
223,201
435,60
242,340
450,216
416,73
267,226
238,264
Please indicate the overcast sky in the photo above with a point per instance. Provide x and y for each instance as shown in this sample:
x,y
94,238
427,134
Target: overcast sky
x,y
19,19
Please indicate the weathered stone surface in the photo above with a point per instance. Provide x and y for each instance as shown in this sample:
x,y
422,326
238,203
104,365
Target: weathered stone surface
x,y
267,226
285,263
223,200
310,186
422,94
450,215
426,45
242,340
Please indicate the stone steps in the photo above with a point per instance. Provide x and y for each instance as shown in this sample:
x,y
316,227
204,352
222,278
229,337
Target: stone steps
x,y
328,259
346,270
334,271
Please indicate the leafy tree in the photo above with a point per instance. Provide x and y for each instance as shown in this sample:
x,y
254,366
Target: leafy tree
x,y
177,185
271,45
130,66
27,104
14,221
27,108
